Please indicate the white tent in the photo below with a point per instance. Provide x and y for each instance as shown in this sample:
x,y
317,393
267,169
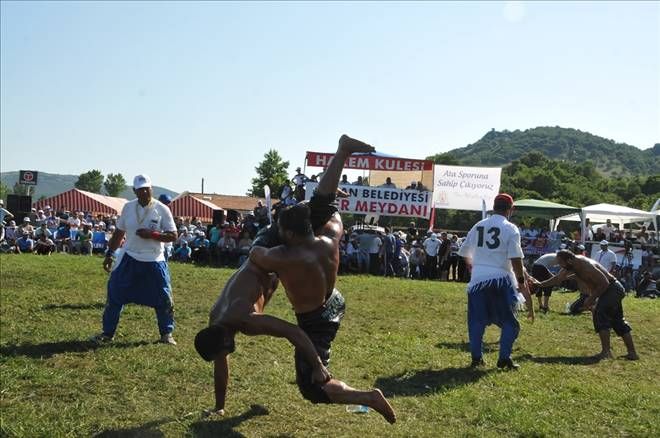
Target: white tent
x,y
619,214
600,213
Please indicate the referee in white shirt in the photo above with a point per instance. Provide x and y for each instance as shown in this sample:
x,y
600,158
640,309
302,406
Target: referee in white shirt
x,y
141,275
492,248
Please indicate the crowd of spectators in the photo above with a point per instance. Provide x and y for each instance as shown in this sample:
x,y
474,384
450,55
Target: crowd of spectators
x,y
407,253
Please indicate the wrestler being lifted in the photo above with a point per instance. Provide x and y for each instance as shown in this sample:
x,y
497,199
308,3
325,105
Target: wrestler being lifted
x,y
307,264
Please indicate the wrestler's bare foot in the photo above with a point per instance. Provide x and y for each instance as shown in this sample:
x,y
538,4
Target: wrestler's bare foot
x,y
379,403
631,356
350,145
604,355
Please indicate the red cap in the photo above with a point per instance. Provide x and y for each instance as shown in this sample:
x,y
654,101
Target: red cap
x,y
504,198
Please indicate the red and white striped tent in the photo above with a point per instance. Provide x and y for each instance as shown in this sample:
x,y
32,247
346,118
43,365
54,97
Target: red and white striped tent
x,y
80,200
187,205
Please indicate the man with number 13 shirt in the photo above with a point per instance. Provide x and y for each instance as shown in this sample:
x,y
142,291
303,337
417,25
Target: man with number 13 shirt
x,y
492,249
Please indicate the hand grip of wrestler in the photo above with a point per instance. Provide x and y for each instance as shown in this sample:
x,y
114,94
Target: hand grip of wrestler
x,y
145,233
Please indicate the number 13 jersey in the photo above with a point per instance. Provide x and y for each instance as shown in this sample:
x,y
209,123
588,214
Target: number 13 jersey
x,y
491,244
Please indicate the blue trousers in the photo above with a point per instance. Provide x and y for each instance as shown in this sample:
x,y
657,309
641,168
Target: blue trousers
x,y
492,302
145,283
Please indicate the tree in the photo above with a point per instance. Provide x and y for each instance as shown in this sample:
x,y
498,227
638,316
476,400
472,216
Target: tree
x,y
444,158
114,184
272,171
4,191
90,181
21,189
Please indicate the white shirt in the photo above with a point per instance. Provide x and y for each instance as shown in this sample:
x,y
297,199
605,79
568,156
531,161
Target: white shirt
x,y
156,217
606,258
607,230
491,244
374,246
547,260
299,179
432,246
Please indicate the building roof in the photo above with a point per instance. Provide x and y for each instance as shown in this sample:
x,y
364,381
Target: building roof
x,y
80,200
227,202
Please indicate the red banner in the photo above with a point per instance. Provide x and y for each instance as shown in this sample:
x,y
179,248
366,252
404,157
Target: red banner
x,y
370,162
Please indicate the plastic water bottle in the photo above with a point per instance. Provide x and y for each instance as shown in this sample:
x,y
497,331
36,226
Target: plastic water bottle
x,y
357,409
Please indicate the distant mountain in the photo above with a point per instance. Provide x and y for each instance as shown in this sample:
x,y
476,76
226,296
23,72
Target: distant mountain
x,y
565,144
50,184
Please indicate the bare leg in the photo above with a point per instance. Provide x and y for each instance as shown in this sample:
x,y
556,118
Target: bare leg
x,y
630,346
341,393
606,349
220,380
330,179
546,301
540,303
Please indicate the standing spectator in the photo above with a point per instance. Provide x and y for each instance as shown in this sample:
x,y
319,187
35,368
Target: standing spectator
x,y
608,229
24,244
168,247
432,247
443,256
390,247
453,258
214,236
375,244
493,249
44,245
412,186
344,180
141,275
359,182
227,247
261,214
299,181
33,215
388,183
606,257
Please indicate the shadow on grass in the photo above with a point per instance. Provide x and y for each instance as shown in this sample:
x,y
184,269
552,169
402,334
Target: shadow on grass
x,y
225,427
79,306
421,382
563,360
488,347
49,349
149,430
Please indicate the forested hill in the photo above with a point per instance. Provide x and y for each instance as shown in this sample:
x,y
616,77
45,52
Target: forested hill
x,y
570,145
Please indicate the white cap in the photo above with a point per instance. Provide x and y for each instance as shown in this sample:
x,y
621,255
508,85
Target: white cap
x,y
562,246
26,219
604,242
141,181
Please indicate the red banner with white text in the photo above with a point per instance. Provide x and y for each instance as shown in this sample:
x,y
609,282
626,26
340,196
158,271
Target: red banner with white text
x,y
371,162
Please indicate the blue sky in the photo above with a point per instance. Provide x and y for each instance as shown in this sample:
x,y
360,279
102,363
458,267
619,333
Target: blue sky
x,y
182,91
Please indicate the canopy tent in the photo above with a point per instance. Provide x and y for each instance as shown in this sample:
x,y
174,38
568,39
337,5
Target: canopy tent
x,y
600,213
542,209
189,206
80,200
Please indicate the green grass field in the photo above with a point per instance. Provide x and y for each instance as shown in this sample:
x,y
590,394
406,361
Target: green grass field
x,y
407,338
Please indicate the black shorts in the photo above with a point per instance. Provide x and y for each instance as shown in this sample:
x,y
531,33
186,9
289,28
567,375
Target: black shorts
x,y
322,208
321,326
541,273
608,313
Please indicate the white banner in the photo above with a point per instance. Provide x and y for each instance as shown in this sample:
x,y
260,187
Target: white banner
x,y
464,188
380,201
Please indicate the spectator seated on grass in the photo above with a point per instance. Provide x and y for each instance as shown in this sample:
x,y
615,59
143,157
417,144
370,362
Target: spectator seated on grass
x,y
24,244
244,246
83,243
200,248
44,245
26,226
227,250
183,253
63,238
11,233
647,287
